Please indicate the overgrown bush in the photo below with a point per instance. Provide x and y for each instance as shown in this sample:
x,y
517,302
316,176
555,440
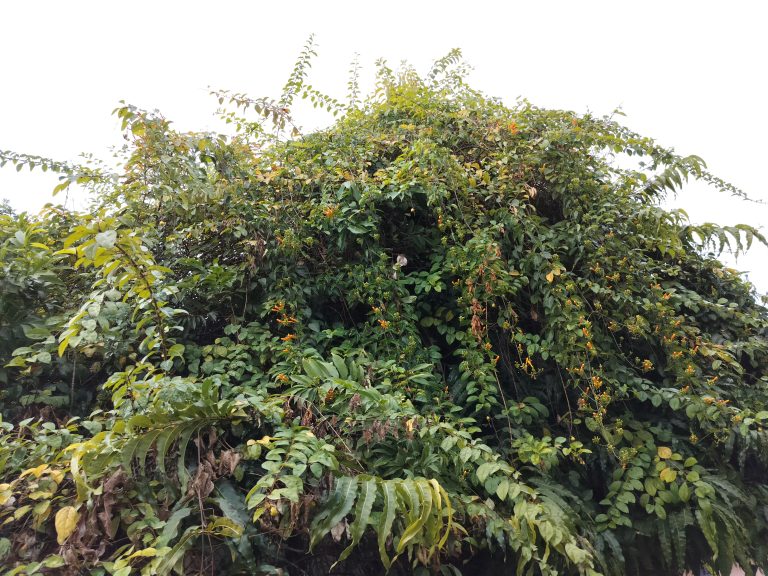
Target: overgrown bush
x,y
443,333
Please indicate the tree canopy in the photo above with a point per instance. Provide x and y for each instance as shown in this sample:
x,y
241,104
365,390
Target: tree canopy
x,y
443,336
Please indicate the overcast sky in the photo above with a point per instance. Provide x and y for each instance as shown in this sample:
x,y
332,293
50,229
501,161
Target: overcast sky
x,y
692,75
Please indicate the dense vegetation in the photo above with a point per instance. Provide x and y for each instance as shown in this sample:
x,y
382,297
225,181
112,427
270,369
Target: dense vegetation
x,y
443,334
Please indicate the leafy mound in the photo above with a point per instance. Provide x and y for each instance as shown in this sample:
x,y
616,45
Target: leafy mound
x,y
443,333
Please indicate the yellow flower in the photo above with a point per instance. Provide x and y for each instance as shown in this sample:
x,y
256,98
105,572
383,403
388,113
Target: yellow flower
x,y
647,365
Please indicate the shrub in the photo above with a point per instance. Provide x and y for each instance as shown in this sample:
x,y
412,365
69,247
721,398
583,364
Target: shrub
x,y
444,332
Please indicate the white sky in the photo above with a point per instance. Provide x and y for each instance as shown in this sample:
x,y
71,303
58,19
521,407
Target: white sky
x,y
690,74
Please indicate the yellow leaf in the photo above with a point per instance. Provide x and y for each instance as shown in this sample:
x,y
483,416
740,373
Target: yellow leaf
x,y
21,511
664,452
226,527
145,553
57,475
41,512
66,521
37,471
264,441
40,494
63,346
668,475
551,276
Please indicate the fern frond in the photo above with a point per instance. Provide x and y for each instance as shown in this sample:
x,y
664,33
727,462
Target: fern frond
x,y
419,507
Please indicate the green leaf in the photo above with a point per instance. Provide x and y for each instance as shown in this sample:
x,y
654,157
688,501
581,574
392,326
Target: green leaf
x,y
365,501
106,239
421,504
575,554
171,528
502,489
335,509
485,470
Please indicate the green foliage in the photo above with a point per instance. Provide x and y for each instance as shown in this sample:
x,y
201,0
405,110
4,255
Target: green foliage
x,y
442,335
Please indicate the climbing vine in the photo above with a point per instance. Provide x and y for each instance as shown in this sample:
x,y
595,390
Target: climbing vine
x,y
441,336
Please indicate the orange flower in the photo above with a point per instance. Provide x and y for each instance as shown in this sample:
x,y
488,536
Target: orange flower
x,y
288,337
282,378
528,365
278,307
512,127
384,324
330,211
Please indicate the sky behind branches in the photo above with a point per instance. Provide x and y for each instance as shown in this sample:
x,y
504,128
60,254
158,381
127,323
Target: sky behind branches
x,y
689,74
